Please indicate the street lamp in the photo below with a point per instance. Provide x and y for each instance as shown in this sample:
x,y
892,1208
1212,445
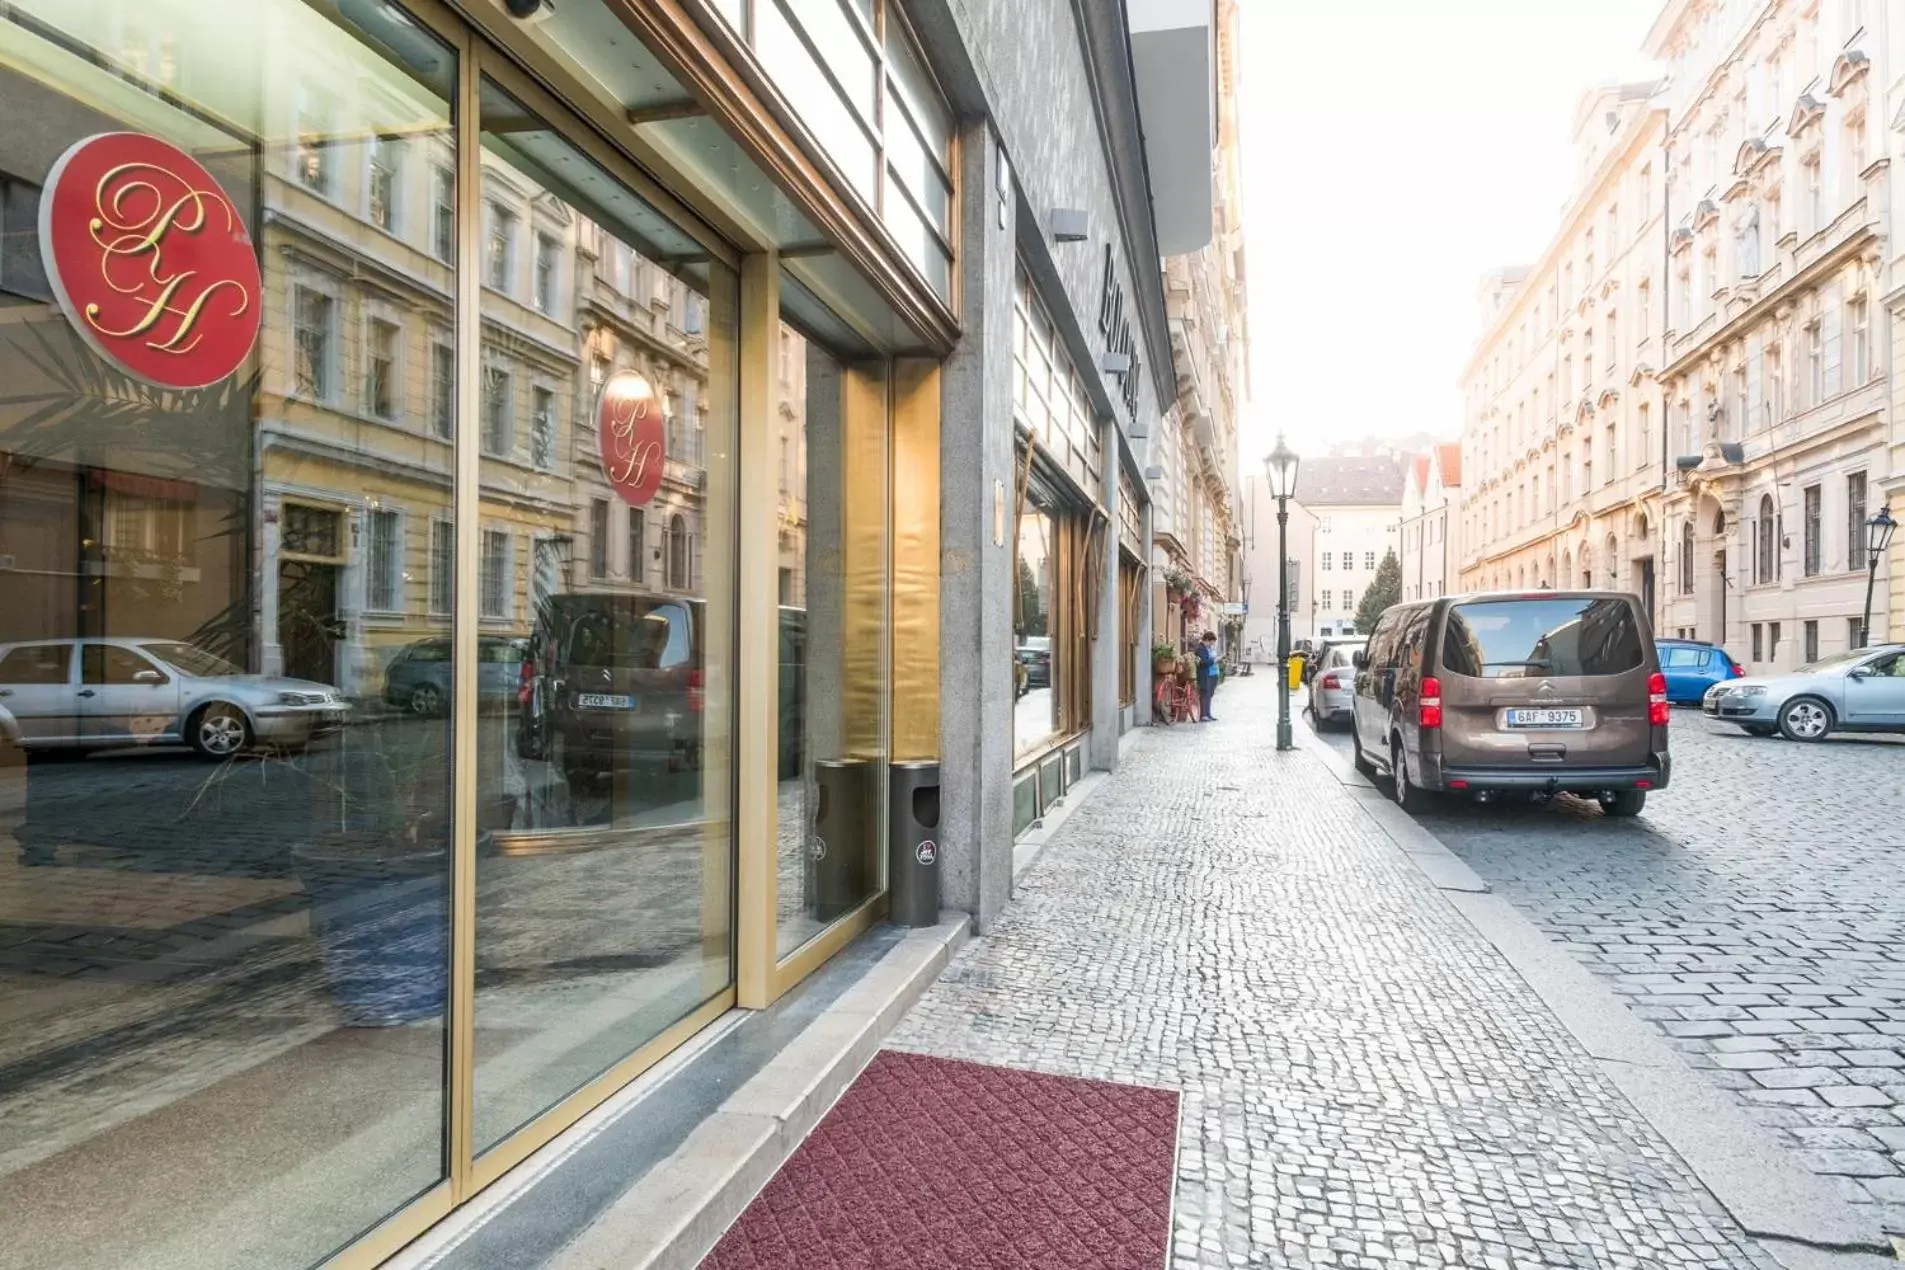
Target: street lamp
x,y
1279,471
1878,536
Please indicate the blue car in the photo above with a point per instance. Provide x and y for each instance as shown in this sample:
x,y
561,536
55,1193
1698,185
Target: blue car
x,y
1692,666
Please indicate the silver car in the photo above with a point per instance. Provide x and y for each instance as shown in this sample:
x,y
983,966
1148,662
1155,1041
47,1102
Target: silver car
x,y
1858,691
81,694
1333,682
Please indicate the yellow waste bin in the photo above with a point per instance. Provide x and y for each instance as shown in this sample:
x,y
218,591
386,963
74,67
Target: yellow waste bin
x,y
1296,671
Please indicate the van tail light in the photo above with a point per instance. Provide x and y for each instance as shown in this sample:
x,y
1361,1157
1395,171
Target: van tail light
x,y
1429,708
697,691
1331,681
1658,711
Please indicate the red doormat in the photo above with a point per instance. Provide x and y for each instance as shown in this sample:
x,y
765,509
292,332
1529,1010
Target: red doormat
x,y
930,1164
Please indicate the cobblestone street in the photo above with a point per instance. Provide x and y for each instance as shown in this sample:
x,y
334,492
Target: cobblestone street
x,y
1366,1080
1755,914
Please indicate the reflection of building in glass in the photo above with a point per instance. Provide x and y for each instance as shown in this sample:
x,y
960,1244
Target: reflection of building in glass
x,y
790,425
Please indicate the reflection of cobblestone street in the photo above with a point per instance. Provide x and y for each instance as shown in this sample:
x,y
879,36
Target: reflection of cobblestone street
x,y
1366,1081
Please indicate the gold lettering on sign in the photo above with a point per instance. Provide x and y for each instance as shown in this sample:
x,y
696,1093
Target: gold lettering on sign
x,y
133,223
631,457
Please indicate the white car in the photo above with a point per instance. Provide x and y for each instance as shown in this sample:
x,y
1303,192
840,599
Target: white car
x,y
82,694
1858,691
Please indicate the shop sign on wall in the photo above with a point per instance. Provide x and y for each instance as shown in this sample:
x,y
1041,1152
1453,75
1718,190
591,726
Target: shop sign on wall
x,y
629,424
150,260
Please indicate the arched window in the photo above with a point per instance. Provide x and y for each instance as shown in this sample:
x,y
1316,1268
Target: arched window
x,y
1686,557
1768,543
1613,562
678,552
1567,568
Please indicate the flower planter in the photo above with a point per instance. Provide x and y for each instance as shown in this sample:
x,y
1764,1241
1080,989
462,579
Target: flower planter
x,y
381,914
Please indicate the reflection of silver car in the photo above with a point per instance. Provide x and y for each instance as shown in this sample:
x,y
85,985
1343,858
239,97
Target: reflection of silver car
x,y
1858,691
1333,683
79,694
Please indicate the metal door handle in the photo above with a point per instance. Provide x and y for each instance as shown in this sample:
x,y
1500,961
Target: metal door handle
x,y
84,692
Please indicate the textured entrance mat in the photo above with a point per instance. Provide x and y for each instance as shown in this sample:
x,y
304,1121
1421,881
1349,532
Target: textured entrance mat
x,y
930,1164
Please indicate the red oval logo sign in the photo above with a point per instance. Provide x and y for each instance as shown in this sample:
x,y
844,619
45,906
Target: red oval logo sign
x,y
628,420
150,260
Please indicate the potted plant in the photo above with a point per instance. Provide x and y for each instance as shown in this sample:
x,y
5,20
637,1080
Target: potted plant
x,y
1164,657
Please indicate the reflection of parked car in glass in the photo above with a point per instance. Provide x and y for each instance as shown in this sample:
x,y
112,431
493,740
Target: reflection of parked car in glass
x,y
1035,654
1858,691
83,694
607,678
419,679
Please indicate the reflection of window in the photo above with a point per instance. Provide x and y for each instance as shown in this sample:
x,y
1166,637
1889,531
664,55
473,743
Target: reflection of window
x,y
678,553
384,160
313,155
599,538
1812,532
442,213
442,565
496,438
598,371
311,320
542,428
546,281
21,270
380,389
383,569
493,578
499,247
442,388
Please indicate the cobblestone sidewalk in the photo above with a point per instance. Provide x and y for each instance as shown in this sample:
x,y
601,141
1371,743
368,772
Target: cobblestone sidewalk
x,y
1366,1082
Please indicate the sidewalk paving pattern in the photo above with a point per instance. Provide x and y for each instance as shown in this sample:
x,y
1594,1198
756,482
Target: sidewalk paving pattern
x,y
1366,1082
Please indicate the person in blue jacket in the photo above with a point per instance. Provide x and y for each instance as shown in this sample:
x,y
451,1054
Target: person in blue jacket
x,y
1206,675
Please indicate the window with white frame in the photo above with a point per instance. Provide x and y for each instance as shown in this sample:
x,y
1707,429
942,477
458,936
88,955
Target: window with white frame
x,y
1859,331
1813,182
1855,492
380,369
1327,557
442,388
314,316
548,261
442,213
496,423
383,181
383,562
1369,559
1815,363
1813,530
499,247
311,156
493,574
1327,596
442,566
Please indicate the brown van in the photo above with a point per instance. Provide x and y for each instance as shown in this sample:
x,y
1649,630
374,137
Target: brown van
x,y
1532,693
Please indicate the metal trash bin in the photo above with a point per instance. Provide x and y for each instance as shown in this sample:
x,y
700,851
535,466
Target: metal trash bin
x,y
838,872
913,844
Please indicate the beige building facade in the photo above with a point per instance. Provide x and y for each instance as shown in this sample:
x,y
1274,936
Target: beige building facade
x,y
1560,454
1431,549
1775,368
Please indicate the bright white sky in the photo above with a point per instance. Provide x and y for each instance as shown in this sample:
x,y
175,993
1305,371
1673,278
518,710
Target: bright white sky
x,y
1389,161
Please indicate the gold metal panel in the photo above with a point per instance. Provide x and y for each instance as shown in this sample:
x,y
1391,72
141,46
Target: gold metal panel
x,y
916,427
384,1240
535,1135
721,583
863,564
757,666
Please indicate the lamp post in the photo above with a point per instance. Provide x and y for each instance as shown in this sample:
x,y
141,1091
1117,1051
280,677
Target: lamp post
x,y
1878,536
1279,471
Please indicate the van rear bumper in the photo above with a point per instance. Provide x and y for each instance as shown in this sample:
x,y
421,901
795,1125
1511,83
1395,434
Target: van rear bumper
x,y
1556,779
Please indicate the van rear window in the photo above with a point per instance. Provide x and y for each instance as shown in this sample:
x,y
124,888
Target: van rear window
x,y
1519,639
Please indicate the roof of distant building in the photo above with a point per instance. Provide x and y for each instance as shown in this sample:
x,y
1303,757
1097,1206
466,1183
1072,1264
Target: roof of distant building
x,y
1448,457
1352,481
1419,472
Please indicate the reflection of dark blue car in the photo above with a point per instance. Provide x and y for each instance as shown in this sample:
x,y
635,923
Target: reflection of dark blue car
x,y
1692,666
418,679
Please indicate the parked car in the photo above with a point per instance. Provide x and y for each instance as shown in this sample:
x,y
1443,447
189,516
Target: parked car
x,y
418,678
1692,666
1035,654
610,678
85,694
1858,691
1332,675
1538,694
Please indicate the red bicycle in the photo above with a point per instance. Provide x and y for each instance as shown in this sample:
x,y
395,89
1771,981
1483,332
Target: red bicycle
x,y
1175,701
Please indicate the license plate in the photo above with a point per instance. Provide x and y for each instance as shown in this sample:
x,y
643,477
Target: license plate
x,y
604,701
1545,718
